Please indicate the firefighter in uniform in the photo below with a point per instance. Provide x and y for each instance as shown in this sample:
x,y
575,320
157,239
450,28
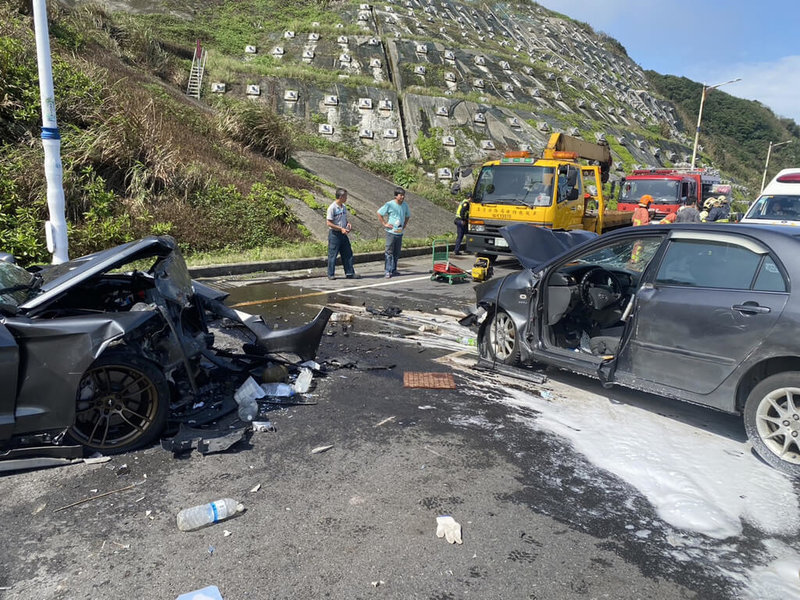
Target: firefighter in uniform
x,y
641,216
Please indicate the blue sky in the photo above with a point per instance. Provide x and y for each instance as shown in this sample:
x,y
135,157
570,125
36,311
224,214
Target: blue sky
x,y
708,41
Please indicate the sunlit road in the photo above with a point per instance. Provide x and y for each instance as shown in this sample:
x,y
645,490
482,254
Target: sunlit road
x,y
672,488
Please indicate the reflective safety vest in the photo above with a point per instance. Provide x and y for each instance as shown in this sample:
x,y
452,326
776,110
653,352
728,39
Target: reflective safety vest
x,y
641,216
462,212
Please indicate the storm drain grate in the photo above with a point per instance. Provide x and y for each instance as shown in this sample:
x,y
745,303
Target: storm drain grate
x,y
436,381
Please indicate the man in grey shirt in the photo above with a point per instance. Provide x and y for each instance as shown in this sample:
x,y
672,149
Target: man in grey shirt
x,y
339,227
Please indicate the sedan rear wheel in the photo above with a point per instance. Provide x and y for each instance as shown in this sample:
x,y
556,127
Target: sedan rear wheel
x,y
122,403
772,421
499,339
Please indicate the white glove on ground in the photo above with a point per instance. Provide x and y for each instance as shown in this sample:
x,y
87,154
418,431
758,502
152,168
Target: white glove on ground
x,y
448,528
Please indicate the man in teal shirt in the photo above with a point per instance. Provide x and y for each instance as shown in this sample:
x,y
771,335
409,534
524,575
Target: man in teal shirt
x,y
394,217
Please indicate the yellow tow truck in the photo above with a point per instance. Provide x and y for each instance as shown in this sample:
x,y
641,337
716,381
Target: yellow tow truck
x,y
555,191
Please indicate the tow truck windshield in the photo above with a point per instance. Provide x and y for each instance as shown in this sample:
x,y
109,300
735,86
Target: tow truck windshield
x,y
663,191
515,185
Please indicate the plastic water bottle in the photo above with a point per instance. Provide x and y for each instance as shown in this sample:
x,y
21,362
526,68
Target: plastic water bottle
x,y
468,341
248,410
196,517
303,381
281,390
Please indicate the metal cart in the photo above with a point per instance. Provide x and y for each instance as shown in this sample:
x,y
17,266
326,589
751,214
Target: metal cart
x,y
442,269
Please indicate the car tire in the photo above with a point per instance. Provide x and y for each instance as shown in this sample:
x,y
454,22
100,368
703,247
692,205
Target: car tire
x,y
498,338
772,421
122,403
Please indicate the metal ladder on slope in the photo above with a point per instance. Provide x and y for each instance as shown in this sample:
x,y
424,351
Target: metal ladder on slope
x,y
196,74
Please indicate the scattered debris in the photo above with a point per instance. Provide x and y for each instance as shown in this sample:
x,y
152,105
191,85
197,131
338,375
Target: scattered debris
x,y
255,488
386,420
195,517
303,382
123,470
389,311
320,449
205,441
425,328
275,372
340,317
262,426
524,373
377,583
427,407
96,459
226,533
448,528
207,593
433,381
249,390
128,487
39,508
451,312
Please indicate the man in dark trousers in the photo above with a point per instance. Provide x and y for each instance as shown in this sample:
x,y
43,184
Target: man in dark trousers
x,y
462,217
338,241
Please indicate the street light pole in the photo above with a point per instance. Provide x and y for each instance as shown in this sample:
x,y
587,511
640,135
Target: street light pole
x,y
56,227
766,165
700,114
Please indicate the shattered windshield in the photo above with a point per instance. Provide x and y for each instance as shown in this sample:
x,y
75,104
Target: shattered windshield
x,y
663,191
625,255
16,284
524,185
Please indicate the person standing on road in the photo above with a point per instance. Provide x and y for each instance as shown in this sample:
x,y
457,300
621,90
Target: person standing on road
x,y
462,217
641,215
394,216
339,227
688,214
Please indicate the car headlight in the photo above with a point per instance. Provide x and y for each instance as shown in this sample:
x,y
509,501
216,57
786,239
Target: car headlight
x,y
477,228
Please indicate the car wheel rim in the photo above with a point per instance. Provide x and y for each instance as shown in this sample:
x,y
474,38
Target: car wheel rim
x,y
116,406
778,423
502,336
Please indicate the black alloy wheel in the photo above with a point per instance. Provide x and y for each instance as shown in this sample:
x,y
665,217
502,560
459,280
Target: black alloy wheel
x,y
122,403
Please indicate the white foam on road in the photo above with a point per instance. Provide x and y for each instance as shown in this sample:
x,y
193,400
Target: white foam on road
x,y
704,483
696,480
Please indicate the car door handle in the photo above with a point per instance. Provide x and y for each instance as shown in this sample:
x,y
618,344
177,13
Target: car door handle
x,y
750,308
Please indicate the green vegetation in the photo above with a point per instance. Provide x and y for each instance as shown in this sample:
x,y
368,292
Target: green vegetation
x,y
735,133
137,157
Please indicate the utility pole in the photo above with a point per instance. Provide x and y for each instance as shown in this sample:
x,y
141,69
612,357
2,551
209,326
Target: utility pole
x,y
700,114
766,165
56,227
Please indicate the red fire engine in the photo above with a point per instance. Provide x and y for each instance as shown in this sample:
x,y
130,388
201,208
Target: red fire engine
x,y
670,188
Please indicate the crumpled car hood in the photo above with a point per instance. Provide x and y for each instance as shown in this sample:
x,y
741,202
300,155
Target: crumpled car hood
x,y
533,246
58,278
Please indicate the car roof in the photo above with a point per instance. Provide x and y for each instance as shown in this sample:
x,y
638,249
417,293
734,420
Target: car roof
x,y
778,188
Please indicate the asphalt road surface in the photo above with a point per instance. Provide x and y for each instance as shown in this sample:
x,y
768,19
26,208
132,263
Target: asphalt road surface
x,y
359,520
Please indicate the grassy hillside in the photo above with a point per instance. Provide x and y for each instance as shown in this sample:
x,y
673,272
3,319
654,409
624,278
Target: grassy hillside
x,y
735,132
138,156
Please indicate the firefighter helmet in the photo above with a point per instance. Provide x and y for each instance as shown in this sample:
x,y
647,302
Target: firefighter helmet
x,y
646,200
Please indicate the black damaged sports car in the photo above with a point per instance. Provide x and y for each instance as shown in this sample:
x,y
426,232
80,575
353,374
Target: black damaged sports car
x,y
96,353
700,313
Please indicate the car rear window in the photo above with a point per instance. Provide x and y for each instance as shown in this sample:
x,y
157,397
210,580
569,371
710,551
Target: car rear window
x,y
701,263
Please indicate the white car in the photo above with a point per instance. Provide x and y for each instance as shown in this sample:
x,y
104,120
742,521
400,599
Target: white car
x,y
779,203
